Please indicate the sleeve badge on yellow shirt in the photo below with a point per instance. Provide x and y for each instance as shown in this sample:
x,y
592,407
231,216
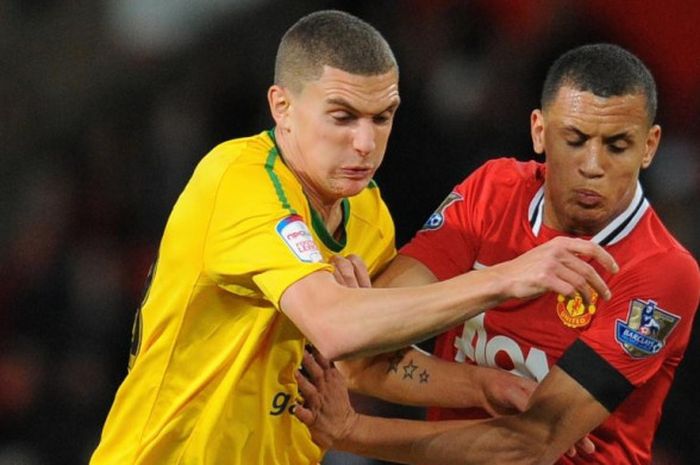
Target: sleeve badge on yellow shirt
x,y
296,235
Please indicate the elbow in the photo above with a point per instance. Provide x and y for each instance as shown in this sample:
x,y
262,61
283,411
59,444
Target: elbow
x,y
330,350
331,342
335,339
325,318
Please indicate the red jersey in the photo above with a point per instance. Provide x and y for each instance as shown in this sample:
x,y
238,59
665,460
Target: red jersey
x,y
624,351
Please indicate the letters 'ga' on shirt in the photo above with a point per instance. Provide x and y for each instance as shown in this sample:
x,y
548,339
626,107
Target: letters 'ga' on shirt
x,y
212,377
641,334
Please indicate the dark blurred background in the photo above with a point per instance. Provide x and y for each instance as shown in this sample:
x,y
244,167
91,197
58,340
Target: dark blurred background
x,y
106,107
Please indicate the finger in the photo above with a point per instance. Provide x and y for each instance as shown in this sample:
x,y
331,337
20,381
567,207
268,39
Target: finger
x,y
361,273
517,398
586,445
527,385
307,390
344,271
339,277
336,261
304,414
322,361
571,452
585,279
594,251
313,369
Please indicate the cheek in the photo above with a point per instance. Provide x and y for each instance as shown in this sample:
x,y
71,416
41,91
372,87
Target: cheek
x,y
381,139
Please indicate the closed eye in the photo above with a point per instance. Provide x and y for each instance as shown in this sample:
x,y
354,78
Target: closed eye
x,y
342,117
576,143
381,119
616,148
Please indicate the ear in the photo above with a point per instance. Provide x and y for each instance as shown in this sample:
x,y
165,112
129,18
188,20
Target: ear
x,y
537,131
279,101
652,143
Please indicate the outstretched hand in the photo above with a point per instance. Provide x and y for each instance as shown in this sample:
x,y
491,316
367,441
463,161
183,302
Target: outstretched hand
x,y
326,411
560,266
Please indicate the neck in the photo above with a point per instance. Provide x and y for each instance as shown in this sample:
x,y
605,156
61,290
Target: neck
x,y
331,213
330,210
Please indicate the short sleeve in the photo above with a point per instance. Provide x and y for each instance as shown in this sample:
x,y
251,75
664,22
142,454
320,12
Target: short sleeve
x,y
449,240
256,244
649,319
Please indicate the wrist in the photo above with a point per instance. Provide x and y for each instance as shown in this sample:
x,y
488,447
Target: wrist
x,y
472,386
348,437
497,284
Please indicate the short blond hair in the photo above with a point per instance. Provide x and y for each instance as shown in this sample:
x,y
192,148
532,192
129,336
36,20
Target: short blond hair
x,y
332,38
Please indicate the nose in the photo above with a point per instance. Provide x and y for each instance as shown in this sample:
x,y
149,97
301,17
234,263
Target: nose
x,y
591,165
363,137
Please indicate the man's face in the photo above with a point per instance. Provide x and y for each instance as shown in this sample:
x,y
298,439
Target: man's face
x,y
595,148
336,130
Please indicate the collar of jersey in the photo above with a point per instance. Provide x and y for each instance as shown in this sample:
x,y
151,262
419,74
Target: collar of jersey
x,y
614,232
316,221
323,234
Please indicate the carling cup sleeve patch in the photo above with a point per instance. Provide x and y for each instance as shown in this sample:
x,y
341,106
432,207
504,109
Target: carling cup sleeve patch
x,y
296,235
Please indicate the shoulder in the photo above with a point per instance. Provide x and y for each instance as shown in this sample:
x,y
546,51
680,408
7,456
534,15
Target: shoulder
x,y
255,151
250,170
668,275
652,250
369,204
671,266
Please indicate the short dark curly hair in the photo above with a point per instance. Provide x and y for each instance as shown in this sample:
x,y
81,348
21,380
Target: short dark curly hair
x,y
605,70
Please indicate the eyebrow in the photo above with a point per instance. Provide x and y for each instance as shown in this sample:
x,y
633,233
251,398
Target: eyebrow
x,y
344,103
624,136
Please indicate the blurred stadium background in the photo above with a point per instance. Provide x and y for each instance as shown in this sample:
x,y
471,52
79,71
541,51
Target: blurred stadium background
x,y
108,105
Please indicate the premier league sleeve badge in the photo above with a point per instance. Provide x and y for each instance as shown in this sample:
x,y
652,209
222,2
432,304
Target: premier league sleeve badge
x,y
646,329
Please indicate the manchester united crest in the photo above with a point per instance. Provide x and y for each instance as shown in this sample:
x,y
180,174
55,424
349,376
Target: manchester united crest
x,y
646,329
574,312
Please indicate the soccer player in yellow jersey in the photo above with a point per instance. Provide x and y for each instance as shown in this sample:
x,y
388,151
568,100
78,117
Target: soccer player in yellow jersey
x,y
243,279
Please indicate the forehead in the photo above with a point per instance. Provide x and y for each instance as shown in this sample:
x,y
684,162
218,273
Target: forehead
x,y
365,93
583,109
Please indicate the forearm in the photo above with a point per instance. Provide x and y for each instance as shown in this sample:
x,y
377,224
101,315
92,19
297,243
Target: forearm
x,y
504,440
560,413
392,439
469,442
412,377
345,322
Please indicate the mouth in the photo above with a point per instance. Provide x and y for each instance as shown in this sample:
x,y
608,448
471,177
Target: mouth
x,y
587,198
357,172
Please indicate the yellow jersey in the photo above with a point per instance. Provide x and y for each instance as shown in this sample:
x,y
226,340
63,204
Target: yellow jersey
x,y
211,378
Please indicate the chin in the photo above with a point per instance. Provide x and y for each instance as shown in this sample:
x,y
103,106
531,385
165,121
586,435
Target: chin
x,y
588,224
351,189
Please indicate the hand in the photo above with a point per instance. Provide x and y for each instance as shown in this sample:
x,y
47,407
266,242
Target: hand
x,y
503,393
557,266
326,410
350,271
507,394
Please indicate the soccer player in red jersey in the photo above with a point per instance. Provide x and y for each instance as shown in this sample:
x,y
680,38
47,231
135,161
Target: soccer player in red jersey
x,y
603,367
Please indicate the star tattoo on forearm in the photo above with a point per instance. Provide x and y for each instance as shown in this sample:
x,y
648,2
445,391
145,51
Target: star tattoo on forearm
x,y
424,376
394,361
409,369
